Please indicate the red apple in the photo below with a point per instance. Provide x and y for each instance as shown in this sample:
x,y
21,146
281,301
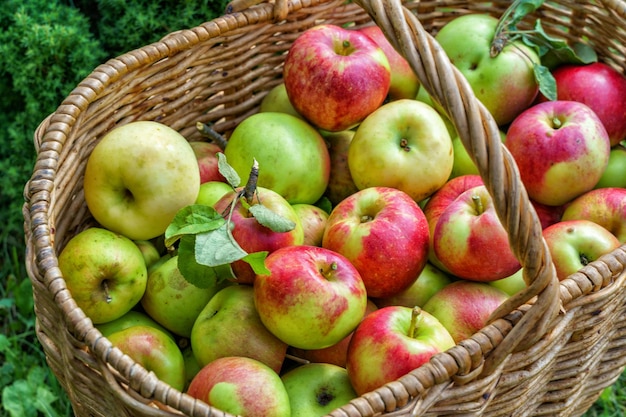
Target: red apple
x,y
599,86
470,241
206,153
464,307
340,182
391,342
404,82
313,220
561,149
384,234
548,215
605,206
575,243
335,77
311,298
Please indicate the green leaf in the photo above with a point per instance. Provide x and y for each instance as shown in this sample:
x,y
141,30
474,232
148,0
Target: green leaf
x,y
545,80
325,204
192,220
257,262
558,49
217,247
227,171
201,276
522,8
270,219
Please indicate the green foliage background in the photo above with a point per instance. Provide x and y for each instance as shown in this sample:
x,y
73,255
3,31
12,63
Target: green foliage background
x,y
46,48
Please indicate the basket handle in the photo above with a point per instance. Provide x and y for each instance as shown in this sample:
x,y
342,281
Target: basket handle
x,y
480,136
281,7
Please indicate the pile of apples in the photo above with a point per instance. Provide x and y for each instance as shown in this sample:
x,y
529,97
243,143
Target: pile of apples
x,y
389,249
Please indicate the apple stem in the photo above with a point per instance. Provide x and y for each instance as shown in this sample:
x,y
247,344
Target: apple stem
x,y
556,122
584,259
107,294
207,131
478,204
251,185
326,272
415,315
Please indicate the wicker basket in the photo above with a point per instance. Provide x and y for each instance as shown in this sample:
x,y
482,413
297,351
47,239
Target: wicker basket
x,y
552,350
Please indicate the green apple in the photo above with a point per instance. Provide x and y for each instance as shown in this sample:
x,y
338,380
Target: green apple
x,y
149,251
211,191
463,163
614,175
316,389
192,366
241,386
130,319
105,272
173,301
154,350
340,182
313,220
505,84
292,155
137,178
404,144
229,325
277,100
511,284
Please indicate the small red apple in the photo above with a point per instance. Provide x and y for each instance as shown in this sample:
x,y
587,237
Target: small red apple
x,y
206,153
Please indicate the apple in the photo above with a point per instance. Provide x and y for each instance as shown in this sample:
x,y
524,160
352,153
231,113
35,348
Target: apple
x,y
316,389
464,307
206,154
391,342
599,86
561,149
241,386
470,241
403,144
575,243
384,234
463,163
130,319
429,281
439,201
192,366
105,272
504,84
149,251
340,182
173,301
229,325
335,76
548,215
211,191
276,100
137,178
615,173
311,298
292,155
604,206
154,350
404,83
313,220
511,284
251,235
335,354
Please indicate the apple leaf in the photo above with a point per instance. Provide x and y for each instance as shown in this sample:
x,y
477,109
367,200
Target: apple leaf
x,y
217,247
196,274
546,81
325,204
522,9
192,220
227,171
257,262
558,50
270,219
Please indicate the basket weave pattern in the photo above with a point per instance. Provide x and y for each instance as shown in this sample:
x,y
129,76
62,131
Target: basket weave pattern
x,y
550,351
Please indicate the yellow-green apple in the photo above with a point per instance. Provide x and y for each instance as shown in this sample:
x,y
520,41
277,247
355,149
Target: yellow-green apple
x,y
206,154
384,234
575,243
292,155
241,386
511,284
429,281
391,342
615,173
439,201
470,241
105,272
132,318
229,325
340,182
211,191
277,100
599,86
463,163
174,302
316,389
505,84
464,307
561,149
311,298
335,76
149,251
404,83
154,350
137,178
605,206
313,220
335,354
192,366
251,235
403,144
